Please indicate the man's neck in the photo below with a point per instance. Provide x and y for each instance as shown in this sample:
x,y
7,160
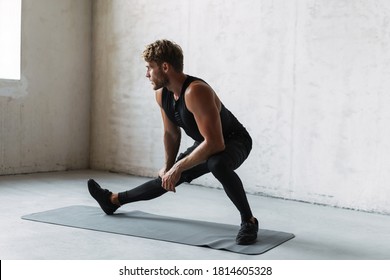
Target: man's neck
x,y
176,82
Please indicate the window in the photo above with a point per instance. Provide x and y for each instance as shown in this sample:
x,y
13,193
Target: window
x,y
10,39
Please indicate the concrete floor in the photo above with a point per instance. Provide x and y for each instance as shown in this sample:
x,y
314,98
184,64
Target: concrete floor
x,y
321,232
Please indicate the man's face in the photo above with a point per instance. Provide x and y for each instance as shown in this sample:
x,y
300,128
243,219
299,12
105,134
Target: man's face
x,y
156,75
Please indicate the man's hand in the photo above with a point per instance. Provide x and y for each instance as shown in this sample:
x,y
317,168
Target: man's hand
x,y
162,172
170,178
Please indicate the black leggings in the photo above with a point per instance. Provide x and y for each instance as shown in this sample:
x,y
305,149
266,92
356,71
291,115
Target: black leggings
x,y
221,165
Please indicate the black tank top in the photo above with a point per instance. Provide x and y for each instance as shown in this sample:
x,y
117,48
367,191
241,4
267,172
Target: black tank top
x,y
178,113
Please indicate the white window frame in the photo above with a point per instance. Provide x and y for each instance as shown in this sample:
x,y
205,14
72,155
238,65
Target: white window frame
x,y
10,39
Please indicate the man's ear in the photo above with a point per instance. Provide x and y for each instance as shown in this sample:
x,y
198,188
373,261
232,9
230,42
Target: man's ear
x,y
165,67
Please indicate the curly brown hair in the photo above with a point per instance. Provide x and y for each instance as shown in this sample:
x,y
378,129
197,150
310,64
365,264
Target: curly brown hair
x,y
164,51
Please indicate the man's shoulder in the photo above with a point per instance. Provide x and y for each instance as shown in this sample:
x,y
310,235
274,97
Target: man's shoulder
x,y
198,93
198,87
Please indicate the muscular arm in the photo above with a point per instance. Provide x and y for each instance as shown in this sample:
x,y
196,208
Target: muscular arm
x,y
201,101
205,106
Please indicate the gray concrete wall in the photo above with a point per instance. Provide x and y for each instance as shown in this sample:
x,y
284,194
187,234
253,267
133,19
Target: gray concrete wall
x,y
45,117
309,79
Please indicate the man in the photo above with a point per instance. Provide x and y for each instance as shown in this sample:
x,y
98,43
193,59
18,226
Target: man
x,y
221,141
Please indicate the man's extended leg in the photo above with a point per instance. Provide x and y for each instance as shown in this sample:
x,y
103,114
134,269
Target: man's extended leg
x,y
151,189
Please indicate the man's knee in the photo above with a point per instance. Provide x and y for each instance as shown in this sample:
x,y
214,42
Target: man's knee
x,y
217,165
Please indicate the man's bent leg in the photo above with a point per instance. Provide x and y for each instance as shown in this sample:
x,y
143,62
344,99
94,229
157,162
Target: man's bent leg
x,y
232,185
222,166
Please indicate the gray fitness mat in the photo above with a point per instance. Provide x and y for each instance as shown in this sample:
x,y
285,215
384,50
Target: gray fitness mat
x,y
183,231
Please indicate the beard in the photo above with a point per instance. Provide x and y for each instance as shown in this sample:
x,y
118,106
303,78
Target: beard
x,y
161,81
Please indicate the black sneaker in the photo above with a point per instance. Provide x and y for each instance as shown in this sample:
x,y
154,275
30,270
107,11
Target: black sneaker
x,y
102,196
248,233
